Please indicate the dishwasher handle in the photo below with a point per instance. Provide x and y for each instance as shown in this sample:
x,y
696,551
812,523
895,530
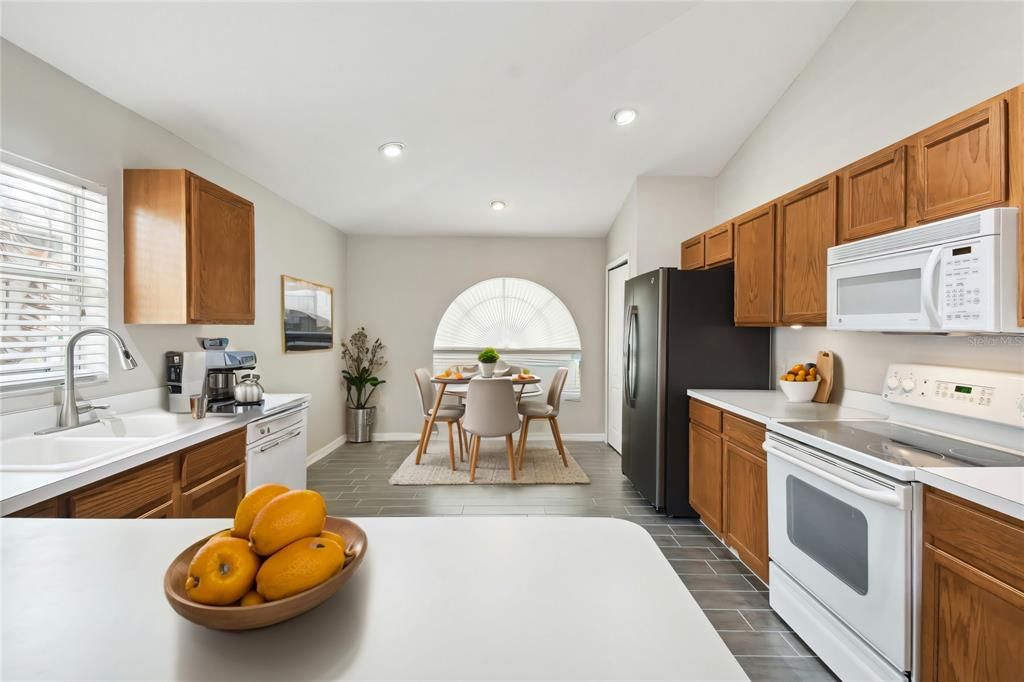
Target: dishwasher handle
x,y
891,499
271,446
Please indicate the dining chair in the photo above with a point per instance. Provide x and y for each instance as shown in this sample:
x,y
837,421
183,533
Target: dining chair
x,y
490,413
449,414
548,409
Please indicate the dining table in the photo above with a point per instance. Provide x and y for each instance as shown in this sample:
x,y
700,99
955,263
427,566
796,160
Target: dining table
x,y
459,388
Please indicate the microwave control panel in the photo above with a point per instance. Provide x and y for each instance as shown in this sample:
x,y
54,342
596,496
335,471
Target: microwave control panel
x,y
982,394
966,287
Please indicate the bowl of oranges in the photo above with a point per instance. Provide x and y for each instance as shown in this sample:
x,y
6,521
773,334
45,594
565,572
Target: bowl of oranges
x,y
281,557
800,383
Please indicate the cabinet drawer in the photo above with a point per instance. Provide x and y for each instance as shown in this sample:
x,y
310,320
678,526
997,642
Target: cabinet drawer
x,y
217,498
705,415
50,509
744,432
205,461
127,495
691,255
718,245
985,539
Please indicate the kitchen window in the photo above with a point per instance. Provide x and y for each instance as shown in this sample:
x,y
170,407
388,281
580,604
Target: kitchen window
x,y
525,322
53,274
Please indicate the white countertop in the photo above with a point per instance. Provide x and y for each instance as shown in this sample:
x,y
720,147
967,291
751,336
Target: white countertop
x,y
998,488
435,599
767,406
20,489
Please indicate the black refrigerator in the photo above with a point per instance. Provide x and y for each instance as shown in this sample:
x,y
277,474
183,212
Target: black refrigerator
x,y
679,334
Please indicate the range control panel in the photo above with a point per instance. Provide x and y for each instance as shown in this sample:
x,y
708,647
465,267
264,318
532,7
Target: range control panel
x,y
981,394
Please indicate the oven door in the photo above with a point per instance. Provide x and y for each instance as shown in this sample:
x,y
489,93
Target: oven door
x,y
844,534
892,292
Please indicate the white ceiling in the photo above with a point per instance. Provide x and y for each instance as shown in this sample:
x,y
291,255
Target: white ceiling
x,y
493,100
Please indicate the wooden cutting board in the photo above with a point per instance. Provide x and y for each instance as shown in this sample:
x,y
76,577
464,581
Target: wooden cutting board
x,y
825,369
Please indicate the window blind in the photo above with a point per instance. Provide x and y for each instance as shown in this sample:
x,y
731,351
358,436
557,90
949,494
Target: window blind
x,y
53,273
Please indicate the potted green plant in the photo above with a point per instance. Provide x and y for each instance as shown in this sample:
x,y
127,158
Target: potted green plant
x,y
488,358
362,360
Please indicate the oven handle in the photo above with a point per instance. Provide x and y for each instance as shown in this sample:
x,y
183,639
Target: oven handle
x,y
890,499
928,286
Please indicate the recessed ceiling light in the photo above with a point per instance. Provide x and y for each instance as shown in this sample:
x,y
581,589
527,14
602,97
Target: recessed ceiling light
x,y
623,117
498,205
392,150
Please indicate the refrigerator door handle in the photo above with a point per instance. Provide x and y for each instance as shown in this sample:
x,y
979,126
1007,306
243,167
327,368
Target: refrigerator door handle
x,y
630,370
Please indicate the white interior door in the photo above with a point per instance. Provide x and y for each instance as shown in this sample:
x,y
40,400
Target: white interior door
x,y
615,315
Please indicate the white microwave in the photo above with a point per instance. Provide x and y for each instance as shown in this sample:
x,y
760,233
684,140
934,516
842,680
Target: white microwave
x,y
956,275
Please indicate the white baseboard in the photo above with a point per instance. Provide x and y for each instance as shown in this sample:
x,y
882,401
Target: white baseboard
x,y
535,436
314,457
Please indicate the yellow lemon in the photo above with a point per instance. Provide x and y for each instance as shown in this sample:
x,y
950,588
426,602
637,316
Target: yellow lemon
x,y
299,566
221,571
288,517
251,505
252,598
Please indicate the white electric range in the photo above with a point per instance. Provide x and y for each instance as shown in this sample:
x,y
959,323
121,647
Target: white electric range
x,y
844,509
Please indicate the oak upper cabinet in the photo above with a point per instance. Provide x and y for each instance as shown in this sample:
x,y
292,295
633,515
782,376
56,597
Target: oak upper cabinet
x,y
691,253
189,249
718,245
972,592
806,229
961,164
754,262
874,195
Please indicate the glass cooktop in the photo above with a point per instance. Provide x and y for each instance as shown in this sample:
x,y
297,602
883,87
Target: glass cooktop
x,y
906,446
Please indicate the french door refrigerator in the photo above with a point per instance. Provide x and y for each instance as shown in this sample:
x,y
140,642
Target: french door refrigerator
x,y
679,334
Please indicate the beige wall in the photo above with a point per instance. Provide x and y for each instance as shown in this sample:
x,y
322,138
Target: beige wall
x,y
52,119
399,287
888,70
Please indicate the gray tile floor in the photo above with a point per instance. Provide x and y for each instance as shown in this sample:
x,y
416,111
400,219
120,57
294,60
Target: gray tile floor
x,y
354,480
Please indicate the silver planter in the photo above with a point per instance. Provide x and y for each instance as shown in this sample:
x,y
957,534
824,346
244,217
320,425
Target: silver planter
x,y
360,424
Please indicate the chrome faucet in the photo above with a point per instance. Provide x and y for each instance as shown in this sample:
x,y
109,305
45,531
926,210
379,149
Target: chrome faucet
x,y
70,408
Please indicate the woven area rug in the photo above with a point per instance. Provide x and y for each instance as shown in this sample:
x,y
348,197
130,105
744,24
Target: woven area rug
x,y
543,465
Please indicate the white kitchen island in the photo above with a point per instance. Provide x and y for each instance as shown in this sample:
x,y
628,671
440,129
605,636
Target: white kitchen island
x,y
436,598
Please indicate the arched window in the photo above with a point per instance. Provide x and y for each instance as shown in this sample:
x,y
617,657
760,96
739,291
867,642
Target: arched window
x,y
527,324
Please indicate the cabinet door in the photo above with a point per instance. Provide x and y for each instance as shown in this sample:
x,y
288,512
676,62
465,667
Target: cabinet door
x,y
217,498
746,507
221,256
874,195
962,163
128,495
754,287
718,245
691,256
706,476
164,511
807,228
50,509
202,462
972,625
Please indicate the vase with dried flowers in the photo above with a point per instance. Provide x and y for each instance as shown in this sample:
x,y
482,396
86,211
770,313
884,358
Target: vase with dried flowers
x,y
362,361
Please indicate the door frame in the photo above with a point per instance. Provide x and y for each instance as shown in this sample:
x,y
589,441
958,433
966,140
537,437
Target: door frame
x,y
615,263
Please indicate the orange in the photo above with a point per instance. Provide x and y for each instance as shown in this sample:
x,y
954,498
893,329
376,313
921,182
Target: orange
x,y
252,598
328,535
251,505
296,568
221,571
288,517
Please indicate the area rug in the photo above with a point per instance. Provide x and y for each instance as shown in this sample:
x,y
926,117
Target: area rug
x,y
543,466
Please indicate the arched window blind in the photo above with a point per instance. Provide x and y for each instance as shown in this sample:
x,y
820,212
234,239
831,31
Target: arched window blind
x,y
528,325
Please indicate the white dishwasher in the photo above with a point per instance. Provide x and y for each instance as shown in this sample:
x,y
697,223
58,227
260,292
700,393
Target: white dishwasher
x,y
276,450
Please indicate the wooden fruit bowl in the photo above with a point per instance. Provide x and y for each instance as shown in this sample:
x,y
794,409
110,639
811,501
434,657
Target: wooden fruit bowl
x,y
262,615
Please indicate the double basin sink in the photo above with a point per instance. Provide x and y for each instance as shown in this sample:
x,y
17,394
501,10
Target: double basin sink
x,y
85,445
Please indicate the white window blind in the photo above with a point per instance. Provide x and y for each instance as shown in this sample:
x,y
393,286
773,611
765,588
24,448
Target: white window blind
x,y
528,325
53,273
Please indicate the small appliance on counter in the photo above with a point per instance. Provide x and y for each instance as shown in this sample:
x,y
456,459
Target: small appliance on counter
x,y
845,510
210,373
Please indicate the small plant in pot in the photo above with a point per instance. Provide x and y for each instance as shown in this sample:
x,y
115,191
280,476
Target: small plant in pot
x,y
487,358
362,360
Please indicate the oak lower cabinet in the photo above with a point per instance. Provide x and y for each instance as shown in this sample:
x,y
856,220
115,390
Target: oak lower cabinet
x,y
972,601
729,481
754,263
806,230
135,493
216,498
189,250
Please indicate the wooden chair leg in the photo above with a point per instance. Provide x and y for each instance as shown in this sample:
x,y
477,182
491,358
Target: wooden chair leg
x,y
511,456
422,447
524,432
451,446
462,441
557,433
474,450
